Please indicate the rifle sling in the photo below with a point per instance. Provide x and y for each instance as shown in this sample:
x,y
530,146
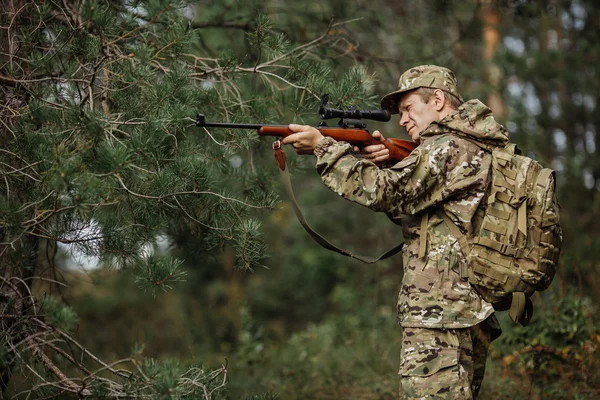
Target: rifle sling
x,y
287,185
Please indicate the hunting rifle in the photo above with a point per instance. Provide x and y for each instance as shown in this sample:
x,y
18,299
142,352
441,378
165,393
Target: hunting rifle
x,y
351,129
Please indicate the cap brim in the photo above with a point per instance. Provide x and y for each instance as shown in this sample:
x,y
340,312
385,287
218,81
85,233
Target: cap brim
x,y
390,101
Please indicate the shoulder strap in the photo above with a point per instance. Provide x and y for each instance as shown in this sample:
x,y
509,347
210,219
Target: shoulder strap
x,y
287,185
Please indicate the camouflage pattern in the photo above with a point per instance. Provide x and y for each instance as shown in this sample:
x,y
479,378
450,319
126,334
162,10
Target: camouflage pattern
x,y
446,171
443,364
429,76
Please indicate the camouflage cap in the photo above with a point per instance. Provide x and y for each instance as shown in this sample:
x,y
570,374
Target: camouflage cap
x,y
429,76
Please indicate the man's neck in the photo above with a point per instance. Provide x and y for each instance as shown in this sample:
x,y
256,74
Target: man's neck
x,y
444,112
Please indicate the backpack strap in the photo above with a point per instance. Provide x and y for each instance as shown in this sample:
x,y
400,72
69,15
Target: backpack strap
x,y
521,309
522,218
423,234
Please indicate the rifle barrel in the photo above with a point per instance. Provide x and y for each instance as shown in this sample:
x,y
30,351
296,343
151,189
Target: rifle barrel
x,y
236,126
201,121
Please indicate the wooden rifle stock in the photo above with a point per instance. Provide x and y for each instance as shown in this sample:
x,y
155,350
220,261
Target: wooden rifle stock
x,y
399,149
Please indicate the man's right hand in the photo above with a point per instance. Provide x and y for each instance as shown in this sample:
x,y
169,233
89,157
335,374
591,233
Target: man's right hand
x,y
377,153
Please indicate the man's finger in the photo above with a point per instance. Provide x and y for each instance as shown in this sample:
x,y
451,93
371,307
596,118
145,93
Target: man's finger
x,y
293,138
298,128
379,136
374,148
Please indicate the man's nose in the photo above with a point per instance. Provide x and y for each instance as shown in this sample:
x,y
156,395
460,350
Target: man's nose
x,y
403,119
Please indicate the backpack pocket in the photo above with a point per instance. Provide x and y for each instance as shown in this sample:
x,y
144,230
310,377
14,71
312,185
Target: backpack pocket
x,y
493,274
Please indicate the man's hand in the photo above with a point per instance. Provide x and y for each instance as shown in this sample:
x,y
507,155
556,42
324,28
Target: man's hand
x,y
377,153
304,140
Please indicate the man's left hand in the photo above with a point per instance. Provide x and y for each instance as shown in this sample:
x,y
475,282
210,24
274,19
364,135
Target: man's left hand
x,y
305,138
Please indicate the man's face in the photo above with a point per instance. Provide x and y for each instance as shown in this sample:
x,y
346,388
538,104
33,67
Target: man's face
x,y
415,115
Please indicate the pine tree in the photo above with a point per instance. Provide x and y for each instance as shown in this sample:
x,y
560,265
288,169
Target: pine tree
x,y
98,150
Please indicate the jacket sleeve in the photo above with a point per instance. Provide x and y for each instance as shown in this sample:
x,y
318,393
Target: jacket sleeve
x,y
437,169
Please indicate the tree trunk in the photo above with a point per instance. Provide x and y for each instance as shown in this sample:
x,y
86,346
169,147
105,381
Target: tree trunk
x,y
491,39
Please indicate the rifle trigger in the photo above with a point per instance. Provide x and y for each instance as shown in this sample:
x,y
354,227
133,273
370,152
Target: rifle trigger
x,y
277,145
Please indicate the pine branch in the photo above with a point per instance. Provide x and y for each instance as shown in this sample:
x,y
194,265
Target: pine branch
x,y
192,192
140,27
273,63
12,82
69,385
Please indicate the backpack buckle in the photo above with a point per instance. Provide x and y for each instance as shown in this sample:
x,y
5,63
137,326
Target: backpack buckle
x,y
508,250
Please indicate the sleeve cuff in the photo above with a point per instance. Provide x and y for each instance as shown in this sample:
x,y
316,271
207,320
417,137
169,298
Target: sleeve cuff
x,y
323,145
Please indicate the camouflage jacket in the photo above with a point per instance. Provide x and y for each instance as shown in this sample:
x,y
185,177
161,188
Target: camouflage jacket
x,y
445,172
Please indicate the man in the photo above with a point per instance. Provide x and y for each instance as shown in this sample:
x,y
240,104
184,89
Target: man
x,y
447,326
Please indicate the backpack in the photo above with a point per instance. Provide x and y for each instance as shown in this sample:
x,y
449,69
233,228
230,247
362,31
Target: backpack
x,y
516,249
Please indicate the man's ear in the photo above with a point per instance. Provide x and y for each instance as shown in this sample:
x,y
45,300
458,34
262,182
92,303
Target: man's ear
x,y
439,99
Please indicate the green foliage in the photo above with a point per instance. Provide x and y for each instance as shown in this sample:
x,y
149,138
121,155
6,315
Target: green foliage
x,y
159,273
569,321
139,161
102,153
266,40
555,356
85,46
347,355
251,246
165,374
355,87
58,314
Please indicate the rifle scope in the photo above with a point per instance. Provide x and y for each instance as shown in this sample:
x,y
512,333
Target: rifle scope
x,y
353,113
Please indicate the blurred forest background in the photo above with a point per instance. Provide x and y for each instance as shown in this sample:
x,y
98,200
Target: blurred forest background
x,y
144,257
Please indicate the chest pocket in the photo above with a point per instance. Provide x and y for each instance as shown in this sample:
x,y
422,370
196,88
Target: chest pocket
x,y
420,277
415,282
